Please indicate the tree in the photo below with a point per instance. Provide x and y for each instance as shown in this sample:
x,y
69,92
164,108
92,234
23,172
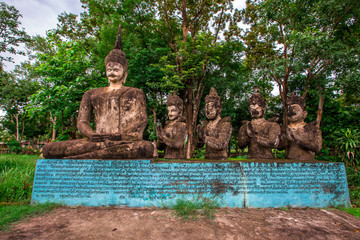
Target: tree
x,y
303,43
14,96
185,37
10,34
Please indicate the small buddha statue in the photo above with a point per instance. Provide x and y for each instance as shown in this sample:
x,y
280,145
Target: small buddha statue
x,y
174,133
302,139
216,132
259,134
120,118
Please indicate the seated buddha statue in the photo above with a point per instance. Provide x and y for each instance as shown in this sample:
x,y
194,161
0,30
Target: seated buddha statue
x,y
259,134
120,119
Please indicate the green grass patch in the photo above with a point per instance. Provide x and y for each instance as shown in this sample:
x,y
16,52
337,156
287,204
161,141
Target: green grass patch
x,y
193,209
10,214
16,177
352,211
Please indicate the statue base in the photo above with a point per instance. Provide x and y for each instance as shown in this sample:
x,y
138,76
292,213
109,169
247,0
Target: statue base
x,y
147,183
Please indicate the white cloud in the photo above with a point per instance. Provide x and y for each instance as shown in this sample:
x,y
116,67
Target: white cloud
x,y
40,16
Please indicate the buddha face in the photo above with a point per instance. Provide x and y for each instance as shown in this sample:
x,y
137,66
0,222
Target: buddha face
x,y
115,72
257,111
173,112
296,113
211,110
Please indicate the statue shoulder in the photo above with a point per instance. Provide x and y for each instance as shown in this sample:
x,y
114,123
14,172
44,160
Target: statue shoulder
x,y
92,92
225,119
133,91
312,127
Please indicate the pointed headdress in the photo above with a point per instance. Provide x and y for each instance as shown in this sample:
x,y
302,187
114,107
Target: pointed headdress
x,y
175,100
294,99
213,97
117,55
256,98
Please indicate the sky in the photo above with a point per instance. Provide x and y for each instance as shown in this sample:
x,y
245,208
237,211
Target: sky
x,y
38,16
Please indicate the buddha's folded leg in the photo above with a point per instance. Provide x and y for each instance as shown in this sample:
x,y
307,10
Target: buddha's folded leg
x,y
126,150
58,150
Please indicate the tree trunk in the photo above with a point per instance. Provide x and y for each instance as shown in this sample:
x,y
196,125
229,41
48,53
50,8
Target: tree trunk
x,y
320,106
189,122
53,121
155,155
17,126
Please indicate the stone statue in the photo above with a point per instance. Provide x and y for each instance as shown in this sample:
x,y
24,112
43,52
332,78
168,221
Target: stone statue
x,y
216,132
174,133
260,135
120,118
302,139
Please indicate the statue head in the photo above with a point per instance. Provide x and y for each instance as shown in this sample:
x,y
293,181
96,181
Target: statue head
x,y
257,104
174,106
116,63
213,105
296,109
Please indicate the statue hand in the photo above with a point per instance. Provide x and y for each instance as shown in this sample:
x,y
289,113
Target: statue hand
x,y
250,130
114,137
97,137
290,135
159,132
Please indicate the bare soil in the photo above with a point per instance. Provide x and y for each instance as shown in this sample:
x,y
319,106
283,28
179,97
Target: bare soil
x,y
153,223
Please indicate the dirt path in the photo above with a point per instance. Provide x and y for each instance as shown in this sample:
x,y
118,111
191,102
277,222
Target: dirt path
x,y
122,223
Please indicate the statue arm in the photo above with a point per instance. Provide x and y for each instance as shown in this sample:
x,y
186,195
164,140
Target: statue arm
x,y
134,131
272,141
177,139
159,134
311,140
243,138
200,132
84,117
222,139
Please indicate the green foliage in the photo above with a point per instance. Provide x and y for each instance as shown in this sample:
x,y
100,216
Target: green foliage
x,y
13,146
10,33
14,213
349,146
303,44
17,176
190,209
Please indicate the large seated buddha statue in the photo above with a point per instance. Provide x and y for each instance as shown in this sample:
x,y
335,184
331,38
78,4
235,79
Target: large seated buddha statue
x,y
120,119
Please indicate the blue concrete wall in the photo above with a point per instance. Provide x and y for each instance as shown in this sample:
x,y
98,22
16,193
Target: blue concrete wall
x,y
138,183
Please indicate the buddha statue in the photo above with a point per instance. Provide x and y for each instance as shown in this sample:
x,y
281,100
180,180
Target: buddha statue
x,y
120,119
216,132
259,134
174,133
302,139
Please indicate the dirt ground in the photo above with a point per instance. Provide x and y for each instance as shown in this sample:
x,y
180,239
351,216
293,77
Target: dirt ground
x,y
152,223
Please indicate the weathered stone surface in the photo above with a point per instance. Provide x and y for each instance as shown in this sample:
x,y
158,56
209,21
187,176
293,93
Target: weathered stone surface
x,y
216,132
260,135
174,133
120,118
302,139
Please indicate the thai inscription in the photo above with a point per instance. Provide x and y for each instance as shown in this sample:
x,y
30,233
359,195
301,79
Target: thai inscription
x,y
146,183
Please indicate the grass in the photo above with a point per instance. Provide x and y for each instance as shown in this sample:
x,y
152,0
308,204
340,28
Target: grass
x,y
16,177
16,180
10,214
192,209
352,211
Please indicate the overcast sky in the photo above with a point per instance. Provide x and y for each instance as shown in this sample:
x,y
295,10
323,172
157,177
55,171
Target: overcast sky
x,y
41,15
